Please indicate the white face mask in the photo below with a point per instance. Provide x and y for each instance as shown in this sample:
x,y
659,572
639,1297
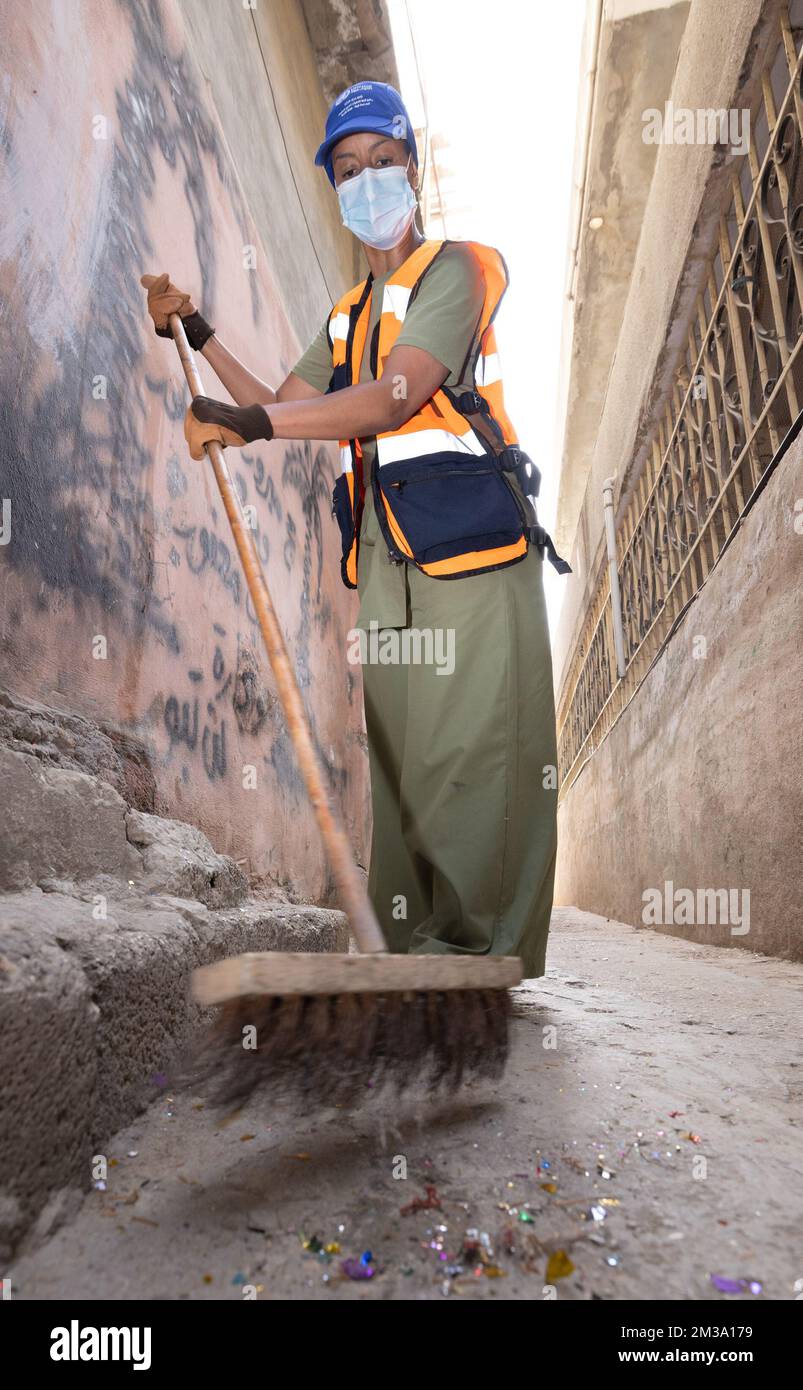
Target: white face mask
x,y
378,206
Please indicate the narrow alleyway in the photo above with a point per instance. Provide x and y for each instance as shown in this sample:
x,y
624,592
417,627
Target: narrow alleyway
x,y
665,1054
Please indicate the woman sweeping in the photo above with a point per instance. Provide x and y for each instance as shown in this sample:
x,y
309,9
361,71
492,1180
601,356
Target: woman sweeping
x,y
435,505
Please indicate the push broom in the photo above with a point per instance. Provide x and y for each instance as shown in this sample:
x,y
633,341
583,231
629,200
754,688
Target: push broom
x,y
333,1027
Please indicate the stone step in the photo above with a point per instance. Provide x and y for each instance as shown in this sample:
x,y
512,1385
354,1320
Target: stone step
x,y
93,1010
105,910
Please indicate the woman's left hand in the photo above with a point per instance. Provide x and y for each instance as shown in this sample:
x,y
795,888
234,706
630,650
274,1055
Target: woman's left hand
x,y
234,425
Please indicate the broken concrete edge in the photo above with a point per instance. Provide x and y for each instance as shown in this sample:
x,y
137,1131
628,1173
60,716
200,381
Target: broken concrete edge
x,y
178,859
94,1010
74,817
69,825
61,738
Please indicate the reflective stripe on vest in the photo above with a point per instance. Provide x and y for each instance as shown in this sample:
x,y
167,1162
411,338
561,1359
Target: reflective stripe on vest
x,y
468,520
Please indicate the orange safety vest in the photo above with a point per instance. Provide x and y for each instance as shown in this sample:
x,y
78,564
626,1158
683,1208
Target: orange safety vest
x,y
442,482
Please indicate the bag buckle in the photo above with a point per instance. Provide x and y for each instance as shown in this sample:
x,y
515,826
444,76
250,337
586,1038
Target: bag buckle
x,y
472,403
514,460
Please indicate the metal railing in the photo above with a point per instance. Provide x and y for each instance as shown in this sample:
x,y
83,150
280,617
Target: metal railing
x,y
738,388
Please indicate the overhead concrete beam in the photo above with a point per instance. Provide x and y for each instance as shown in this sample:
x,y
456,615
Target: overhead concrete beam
x,y
635,64
352,42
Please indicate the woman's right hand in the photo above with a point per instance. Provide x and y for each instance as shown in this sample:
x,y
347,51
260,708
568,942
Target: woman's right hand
x,y
164,299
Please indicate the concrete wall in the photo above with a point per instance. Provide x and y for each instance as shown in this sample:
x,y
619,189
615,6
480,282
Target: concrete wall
x,y
718,66
212,114
699,783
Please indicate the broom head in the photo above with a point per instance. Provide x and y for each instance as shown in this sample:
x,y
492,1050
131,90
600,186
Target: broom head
x,y
336,1029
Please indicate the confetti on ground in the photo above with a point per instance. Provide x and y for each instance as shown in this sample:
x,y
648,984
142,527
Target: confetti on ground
x,y
726,1285
427,1203
475,1246
559,1266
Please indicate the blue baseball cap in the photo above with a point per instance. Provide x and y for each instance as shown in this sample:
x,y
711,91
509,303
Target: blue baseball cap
x,y
366,106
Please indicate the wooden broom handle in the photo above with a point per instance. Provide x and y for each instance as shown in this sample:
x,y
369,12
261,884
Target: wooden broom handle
x,y
362,919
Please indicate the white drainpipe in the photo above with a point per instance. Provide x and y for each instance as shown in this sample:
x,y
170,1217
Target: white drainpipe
x,y
616,598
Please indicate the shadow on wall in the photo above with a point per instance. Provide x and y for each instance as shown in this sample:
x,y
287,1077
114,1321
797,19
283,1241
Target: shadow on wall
x,y
57,445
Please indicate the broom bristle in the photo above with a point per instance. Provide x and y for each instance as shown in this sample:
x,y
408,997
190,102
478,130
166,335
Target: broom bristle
x,y
344,1048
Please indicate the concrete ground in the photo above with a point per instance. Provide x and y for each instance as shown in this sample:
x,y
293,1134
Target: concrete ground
x,y
646,1136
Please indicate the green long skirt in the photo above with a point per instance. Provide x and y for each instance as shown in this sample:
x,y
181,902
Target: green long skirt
x,y
463,764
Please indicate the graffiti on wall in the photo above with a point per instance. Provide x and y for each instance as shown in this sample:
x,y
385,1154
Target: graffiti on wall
x,y
102,523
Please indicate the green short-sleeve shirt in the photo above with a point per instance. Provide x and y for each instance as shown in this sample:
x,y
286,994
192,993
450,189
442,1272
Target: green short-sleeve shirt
x,y
442,320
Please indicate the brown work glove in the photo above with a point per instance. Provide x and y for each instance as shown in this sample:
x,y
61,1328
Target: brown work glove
x,y
164,299
229,424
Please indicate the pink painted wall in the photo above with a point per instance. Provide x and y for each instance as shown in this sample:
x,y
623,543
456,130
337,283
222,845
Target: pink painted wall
x,y
115,531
